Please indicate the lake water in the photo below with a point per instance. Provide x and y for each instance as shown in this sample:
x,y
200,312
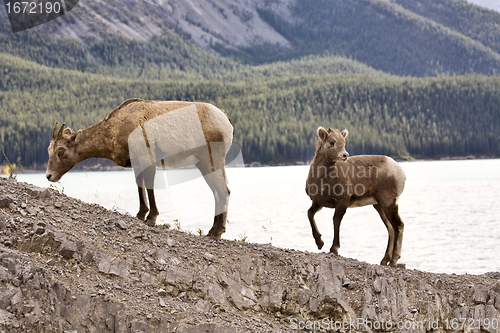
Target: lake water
x,y
451,211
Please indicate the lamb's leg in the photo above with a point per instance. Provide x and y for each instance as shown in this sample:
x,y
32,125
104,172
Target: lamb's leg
x,y
390,230
340,210
310,214
398,226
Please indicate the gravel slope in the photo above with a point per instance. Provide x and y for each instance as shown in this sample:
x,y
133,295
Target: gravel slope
x,y
68,266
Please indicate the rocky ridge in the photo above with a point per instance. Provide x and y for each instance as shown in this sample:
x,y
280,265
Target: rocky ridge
x,y
232,23
68,266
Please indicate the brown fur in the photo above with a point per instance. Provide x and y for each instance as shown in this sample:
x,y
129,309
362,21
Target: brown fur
x,y
338,182
109,139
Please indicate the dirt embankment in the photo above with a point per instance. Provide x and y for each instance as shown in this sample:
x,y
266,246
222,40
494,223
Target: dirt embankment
x,y
68,266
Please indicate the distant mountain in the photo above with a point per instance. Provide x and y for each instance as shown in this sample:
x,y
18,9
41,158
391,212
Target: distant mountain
x,y
232,23
400,37
491,4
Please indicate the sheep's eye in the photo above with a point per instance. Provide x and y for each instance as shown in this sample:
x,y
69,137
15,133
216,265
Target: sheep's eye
x,y
332,143
60,153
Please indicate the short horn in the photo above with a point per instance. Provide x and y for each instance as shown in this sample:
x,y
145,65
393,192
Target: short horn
x,y
59,135
54,131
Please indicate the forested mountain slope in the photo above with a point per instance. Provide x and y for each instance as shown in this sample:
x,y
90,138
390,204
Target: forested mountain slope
x,y
275,119
163,57
417,40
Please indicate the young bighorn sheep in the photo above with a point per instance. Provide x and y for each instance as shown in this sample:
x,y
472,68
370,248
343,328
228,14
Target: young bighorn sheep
x,y
145,134
336,181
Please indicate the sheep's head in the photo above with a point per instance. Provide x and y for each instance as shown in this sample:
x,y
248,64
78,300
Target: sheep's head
x,y
331,143
62,152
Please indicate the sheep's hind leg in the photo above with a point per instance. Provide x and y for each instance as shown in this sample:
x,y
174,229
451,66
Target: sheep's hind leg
x,y
216,180
398,226
337,218
390,230
316,234
221,195
153,212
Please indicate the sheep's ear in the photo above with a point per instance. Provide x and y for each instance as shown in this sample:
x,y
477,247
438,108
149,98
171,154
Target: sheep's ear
x,y
78,136
344,133
75,137
322,133
67,130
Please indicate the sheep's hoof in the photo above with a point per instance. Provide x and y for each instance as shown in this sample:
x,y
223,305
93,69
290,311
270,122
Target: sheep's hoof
x,y
216,232
320,243
150,223
395,265
334,250
214,235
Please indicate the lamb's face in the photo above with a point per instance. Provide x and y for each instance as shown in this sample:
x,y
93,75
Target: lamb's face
x,y
62,154
333,144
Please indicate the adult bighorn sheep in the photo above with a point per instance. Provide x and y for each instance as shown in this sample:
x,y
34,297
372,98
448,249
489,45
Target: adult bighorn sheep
x,y
336,181
144,134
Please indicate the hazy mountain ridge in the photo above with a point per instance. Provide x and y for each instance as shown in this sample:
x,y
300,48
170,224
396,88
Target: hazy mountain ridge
x,y
466,19
490,4
232,23
392,38
417,38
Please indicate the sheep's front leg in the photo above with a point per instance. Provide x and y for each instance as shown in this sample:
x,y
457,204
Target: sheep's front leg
x,y
145,181
340,210
143,206
149,180
310,214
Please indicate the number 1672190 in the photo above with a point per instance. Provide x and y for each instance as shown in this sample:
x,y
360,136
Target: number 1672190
x,y
26,7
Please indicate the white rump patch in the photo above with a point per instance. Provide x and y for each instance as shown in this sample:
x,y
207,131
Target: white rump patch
x,y
174,135
222,122
174,138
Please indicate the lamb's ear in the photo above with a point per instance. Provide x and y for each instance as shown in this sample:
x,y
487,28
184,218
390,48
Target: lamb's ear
x,y
344,133
322,133
67,130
